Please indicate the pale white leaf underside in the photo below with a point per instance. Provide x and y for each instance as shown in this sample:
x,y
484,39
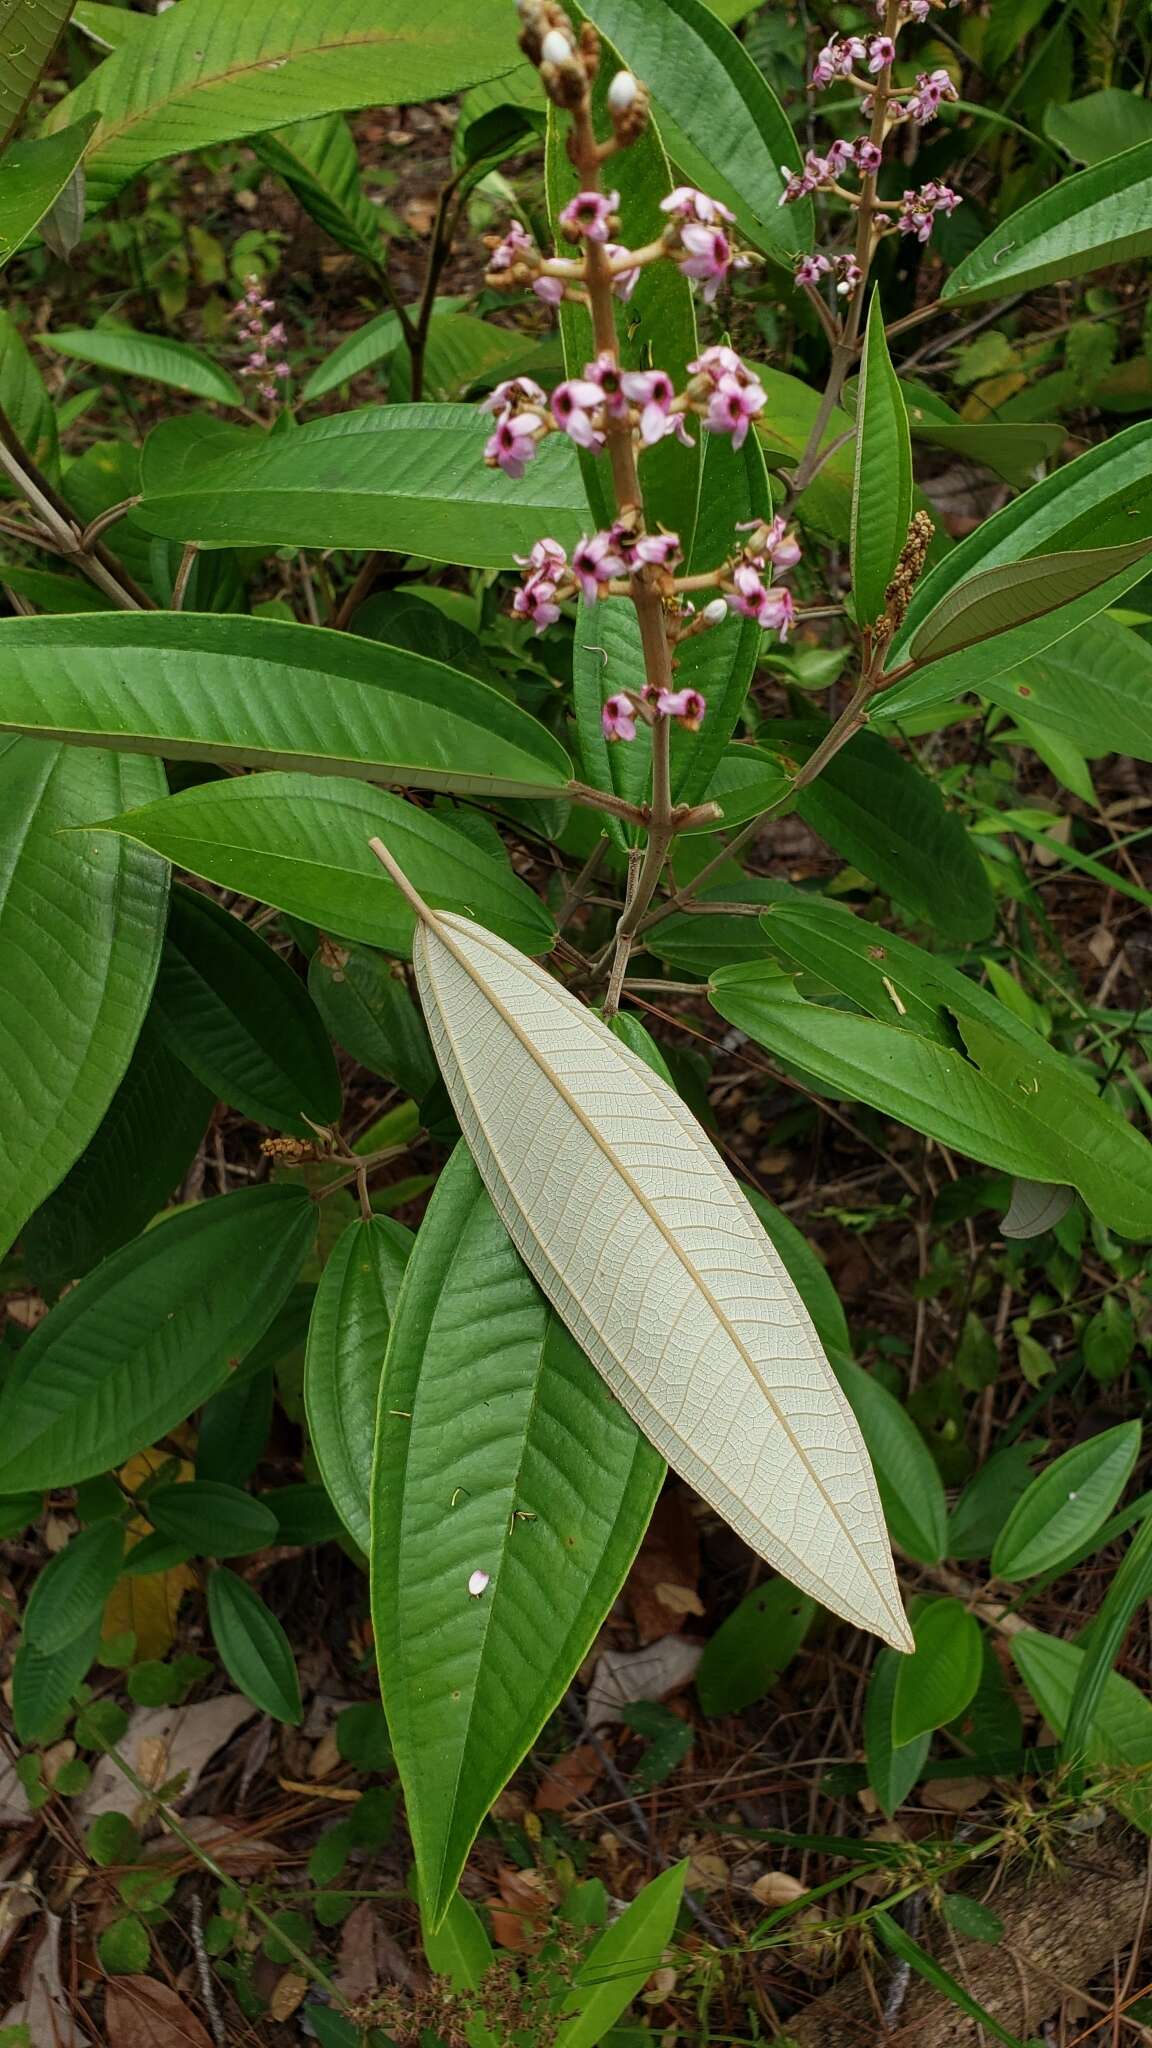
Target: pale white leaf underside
x,y
639,1236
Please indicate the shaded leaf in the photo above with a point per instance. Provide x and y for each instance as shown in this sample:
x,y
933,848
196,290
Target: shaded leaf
x,y
937,1681
347,1341
1101,216
1066,1503
1013,593
36,173
155,357
882,484
253,1647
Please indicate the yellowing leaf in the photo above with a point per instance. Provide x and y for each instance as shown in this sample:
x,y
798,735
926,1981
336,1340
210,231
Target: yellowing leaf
x,y
148,1605
639,1236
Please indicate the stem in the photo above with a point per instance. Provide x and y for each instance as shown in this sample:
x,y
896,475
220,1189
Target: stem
x,y
91,557
183,574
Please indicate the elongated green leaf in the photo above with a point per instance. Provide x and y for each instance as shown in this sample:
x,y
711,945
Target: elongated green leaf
x,y
216,70
73,1587
752,1646
911,1492
1100,125
1130,1589
658,1266
241,1021
937,1681
347,1340
81,923
407,477
50,592
360,351
44,1682
35,174
213,1519
721,115
995,600
253,1647
549,1498
463,352
619,1964
28,33
892,1769
884,815
1019,1109
302,843
1013,449
260,694
458,1948
154,357
364,1001
902,1945
26,402
695,943
319,163
1101,216
882,484
1120,1736
1066,1503
141,1149
149,1335
1095,686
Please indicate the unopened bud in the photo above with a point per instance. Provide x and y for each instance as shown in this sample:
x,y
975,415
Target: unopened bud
x,y
716,612
622,92
555,48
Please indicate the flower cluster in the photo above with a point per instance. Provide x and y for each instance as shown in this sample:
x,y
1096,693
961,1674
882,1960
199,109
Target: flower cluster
x,y
697,237
619,715
919,209
263,339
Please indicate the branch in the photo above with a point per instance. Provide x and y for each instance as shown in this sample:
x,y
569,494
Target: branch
x,y
88,552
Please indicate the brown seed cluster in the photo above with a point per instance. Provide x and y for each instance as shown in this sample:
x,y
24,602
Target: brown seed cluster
x,y
909,570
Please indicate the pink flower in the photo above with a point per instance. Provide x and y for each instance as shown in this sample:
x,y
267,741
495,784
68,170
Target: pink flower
x,y
719,362
513,444
594,563
686,706
653,391
605,373
573,405
932,88
838,158
624,282
770,543
751,598
921,208
661,550
881,51
536,601
275,335
847,275
547,558
731,407
550,289
516,245
811,269
513,394
709,258
867,157
686,203
282,370
589,215
618,718
778,613
940,197
836,60
919,10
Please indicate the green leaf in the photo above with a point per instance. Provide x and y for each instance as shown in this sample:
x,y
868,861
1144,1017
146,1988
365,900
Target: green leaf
x,y
1096,218
81,923
724,125
256,693
1095,686
1120,1736
212,1519
149,1335
363,349
911,1492
347,1340
882,484
697,942
462,351
241,1021
549,1497
208,73
50,592
155,357
44,1682
458,1949
1066,1503
1128,1593
254,1649
1014,1111
123,1946
994,601
886,817
366,1005
301,843
988,1499
138,1154
320,164
937,1681
26,402
35,174
304,1515
752,1646
28,34
926,1966
73,1586
1014,450
892,1769
406,477
1100,125
619,1964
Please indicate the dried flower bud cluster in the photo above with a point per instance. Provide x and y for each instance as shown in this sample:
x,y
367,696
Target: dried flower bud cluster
x,y
264,339
908,570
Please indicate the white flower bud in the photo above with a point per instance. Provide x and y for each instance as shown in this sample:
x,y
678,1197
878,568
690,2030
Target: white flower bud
x,y
477,1583
555,49
716,612
622,93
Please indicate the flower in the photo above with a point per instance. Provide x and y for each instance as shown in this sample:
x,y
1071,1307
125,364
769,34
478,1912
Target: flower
x,y
624,282
555,48
838,158
836,60
618,718
605,373
881,52
848,274
720,361
778,614
653,391
920,209
513,394
595,562
811,269
661,550
573,405
687,204
932,88
536,601
751,598
547,558
867,156
709,256
772,542
622,92
686,706
715,612
513,444
731,407
478,1581
550,289
517,243
589,215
